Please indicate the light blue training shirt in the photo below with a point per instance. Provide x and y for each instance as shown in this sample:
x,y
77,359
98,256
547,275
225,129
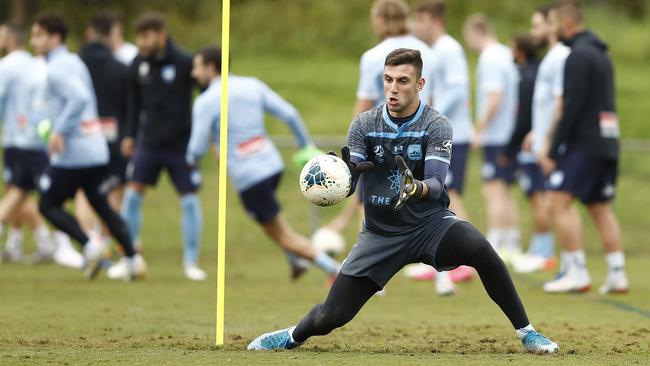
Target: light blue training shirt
x,y
252,157
497,73
451,86
22,88
72,107
549,84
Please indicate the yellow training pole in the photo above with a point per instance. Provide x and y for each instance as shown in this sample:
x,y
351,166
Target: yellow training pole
x,y
223,162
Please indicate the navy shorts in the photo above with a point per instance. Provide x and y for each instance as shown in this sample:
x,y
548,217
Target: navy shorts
x,y
148,162
23,168
531,179
60,184
491,170
589,178
259,200
456,175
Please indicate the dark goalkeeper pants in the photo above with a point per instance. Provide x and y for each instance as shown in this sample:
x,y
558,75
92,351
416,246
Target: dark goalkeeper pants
x,y
463,244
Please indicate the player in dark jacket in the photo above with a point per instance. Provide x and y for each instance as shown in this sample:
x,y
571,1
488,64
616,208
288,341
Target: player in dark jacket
x,y
110,82
585,149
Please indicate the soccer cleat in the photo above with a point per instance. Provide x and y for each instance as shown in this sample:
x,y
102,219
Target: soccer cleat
x,y
424,272
65,254
128,269
509,256
444,285
420,272
94,254
194,273
528,263
616,284
280,339
537,343
569,282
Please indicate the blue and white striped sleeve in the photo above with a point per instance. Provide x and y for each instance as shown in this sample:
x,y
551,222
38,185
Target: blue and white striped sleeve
x,y
75,95
205,119
283,110
440,140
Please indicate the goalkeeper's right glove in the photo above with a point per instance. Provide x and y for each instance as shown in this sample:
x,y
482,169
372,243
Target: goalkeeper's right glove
x,y
355,169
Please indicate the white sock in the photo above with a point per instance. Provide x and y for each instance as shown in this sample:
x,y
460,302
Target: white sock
x,y
494,237
511,238
291,335
326,263
44,241
564,261
522,332
576,263
14,239
441,276
615,263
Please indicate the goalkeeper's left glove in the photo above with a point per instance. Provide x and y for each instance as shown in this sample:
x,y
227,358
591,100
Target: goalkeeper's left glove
x,y
305,154
408,186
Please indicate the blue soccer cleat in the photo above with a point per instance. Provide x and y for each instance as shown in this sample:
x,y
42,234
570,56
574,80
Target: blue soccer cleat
x,y
280,339
538,343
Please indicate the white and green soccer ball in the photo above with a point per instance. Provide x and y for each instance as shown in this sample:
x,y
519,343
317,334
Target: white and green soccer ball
x,y
325,180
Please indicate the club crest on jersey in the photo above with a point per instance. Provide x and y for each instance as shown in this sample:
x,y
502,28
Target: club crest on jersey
x,y
399,149
168,73
414,152
378,150
143,69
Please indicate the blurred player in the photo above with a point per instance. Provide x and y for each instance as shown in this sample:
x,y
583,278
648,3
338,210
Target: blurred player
x,y
585,149
254,164
161,120
496,98
110,82
22,85
531,178
407,219
123,51
389,23
450,85
547,109
77,148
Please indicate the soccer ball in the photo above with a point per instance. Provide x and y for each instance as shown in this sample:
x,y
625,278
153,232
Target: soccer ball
x,y
325,180
328,241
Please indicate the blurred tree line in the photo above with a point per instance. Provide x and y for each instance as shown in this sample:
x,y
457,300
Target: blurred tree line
x,y
194,23
324,27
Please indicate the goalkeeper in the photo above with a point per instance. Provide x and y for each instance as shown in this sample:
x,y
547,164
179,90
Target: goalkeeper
x,y
254,164
407,220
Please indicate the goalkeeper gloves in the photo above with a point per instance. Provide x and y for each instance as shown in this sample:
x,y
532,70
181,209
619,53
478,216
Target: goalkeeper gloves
x,y
305,154
355,169
408,186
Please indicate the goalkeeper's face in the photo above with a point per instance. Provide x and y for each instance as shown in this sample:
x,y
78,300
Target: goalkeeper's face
x,y
402,85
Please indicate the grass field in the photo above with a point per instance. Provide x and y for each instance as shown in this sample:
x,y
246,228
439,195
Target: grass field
x,y
51,316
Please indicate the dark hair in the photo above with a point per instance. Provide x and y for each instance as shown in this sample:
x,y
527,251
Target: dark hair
x,y
150,21
569,8
435,8
102,23
405,56
17,32
525,44
211,55
53,23
544,9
